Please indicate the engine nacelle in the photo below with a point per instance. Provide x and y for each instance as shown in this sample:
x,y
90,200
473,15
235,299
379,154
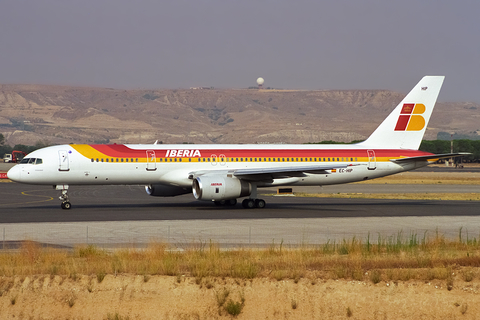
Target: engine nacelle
x,y
218,187
161,190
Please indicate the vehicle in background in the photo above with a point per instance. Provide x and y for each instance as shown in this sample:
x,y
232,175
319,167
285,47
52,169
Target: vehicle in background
x,y
16,156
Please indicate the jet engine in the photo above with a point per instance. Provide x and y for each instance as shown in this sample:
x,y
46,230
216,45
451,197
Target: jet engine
x,y
161,190
217,187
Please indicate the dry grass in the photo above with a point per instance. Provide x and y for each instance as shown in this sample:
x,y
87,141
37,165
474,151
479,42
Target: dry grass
x,y
403,196
393,258
416,177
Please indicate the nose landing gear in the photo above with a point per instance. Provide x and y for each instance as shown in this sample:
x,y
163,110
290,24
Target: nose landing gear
x,y
64,197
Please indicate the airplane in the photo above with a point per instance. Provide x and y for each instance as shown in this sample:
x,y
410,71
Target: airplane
x,y
225,173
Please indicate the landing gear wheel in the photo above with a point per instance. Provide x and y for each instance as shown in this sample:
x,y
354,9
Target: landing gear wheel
x,y
231,202
253,203
66,205
260,203
248,203
64,197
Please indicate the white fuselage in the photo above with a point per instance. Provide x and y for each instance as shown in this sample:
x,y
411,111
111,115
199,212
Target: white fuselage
x,y
173,164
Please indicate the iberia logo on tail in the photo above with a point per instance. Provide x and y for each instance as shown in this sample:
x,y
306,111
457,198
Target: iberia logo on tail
x,y
410,118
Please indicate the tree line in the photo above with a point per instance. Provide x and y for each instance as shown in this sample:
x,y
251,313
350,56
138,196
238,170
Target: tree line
x,y
5,148
438,147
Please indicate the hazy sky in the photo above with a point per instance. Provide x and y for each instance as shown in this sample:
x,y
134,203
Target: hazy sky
x,y
357,44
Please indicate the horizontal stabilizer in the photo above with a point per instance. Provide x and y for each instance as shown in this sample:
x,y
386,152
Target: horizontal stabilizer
x,y
431,157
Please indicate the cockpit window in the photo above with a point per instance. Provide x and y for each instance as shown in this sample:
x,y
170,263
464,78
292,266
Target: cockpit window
x,y
32,160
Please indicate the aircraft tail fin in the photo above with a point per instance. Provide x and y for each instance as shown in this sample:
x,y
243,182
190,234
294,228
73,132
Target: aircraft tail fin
x,y
405,126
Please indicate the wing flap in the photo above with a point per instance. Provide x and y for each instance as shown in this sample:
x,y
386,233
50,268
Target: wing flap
x,y
273,173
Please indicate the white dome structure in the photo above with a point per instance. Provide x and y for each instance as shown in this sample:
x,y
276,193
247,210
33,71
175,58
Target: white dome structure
x,y
260,82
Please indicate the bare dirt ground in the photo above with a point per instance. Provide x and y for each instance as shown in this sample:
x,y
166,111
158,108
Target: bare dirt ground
x,y
164,297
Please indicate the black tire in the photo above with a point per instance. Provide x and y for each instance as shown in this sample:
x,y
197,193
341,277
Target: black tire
x,y
231,202
260,203
66,205
250,204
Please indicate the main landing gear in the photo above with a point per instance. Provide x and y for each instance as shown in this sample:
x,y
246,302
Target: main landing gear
x,y
253,203
64,197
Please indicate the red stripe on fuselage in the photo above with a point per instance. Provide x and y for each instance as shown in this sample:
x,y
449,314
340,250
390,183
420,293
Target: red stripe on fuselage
x,y
122,151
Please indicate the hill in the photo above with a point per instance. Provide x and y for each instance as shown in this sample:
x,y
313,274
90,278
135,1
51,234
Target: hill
x,y
59,114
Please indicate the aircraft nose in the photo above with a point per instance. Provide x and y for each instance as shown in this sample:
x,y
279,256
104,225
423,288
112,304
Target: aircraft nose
x,y
14,173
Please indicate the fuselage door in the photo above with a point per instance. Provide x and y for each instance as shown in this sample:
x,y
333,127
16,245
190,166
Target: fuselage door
x,y
213,159
63,161
372,161
151,160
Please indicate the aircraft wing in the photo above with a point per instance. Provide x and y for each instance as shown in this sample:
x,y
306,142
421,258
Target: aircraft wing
x,y
272,173
431,157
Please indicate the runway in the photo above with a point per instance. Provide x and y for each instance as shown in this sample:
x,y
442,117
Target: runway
x,y
113,216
